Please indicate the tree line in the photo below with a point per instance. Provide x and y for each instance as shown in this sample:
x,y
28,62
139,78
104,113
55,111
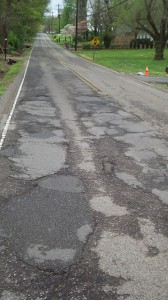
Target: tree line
x,y
19,20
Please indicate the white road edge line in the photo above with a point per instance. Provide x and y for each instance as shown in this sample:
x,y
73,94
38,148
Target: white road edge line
x,y
5,129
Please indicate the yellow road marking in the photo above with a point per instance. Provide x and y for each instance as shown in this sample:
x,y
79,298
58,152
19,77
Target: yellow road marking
x,y
93,86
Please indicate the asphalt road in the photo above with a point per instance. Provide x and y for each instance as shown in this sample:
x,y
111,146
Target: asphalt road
x,y
83,181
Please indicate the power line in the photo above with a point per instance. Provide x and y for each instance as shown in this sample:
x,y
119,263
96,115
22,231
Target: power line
x,y
105,10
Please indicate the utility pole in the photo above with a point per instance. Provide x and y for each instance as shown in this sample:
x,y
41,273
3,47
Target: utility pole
x,y
5,49
59,16
59,20
52,20
76,30
5,29
5,36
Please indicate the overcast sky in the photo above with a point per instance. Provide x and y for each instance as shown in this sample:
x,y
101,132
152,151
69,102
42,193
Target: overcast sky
x,y
54,5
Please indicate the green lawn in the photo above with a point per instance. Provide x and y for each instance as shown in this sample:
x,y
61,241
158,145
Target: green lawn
x,y
128,61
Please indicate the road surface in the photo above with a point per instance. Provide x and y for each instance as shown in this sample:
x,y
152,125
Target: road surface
x,y
83,181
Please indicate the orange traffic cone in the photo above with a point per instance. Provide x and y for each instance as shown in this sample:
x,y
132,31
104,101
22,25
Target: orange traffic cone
x,y
147,71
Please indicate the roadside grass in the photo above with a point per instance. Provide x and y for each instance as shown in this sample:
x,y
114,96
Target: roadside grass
x,y
4,67
11,71
128,61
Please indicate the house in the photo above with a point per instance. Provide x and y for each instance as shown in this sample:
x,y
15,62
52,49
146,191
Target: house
x,y
130,39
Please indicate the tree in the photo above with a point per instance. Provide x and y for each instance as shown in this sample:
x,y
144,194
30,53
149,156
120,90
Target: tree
x,y
68,12
82,10
96,19
157,24
102,17
20,17
150,16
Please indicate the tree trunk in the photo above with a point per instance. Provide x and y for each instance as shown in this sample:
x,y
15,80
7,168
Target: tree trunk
x,y
159,49
95,27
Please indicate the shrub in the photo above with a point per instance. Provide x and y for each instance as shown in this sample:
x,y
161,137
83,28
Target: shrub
x,y
107,38
14,42
86,46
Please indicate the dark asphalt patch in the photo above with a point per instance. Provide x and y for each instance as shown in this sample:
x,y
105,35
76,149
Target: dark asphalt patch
x,y
48,230
62,183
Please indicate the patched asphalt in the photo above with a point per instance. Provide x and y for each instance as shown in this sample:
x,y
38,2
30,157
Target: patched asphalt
x,y
83,193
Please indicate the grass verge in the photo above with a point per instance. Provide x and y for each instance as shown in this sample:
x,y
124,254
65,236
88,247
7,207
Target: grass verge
x,y
9,76
11,71
128,61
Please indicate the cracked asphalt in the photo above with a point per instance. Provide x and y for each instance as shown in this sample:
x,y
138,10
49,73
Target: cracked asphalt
x,y
83,184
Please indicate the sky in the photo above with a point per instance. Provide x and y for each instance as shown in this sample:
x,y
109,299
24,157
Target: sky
x,y
54,6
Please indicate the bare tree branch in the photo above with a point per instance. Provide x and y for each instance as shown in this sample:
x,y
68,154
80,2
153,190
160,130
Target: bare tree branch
x,y
149,16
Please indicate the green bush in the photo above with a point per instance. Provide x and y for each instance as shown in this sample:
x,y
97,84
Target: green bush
x,y
86,46
14,42
107,38
100,46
